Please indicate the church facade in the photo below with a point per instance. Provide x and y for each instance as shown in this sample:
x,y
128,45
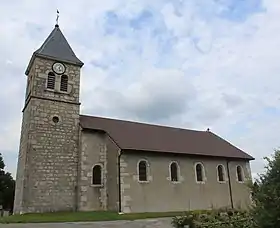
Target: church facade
x,y
72,162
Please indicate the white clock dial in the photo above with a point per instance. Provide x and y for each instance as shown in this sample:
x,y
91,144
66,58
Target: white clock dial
x,y
58,68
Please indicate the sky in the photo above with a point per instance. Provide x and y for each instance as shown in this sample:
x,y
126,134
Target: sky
x,y
194,64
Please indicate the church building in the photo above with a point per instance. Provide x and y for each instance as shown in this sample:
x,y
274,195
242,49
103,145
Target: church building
x,y
72,162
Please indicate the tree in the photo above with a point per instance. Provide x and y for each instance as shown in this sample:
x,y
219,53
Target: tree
x,y
266,194
2,165
7,187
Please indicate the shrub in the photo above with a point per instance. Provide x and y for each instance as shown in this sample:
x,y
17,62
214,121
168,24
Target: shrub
x,y
182,221
214,219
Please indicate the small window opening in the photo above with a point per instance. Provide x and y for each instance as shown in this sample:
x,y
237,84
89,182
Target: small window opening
x,y
55,119
221,173
240,175
142,169
174,171
51,80
199,172
96,175
64,83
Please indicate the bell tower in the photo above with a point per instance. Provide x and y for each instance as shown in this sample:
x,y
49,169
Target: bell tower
x,y
48,154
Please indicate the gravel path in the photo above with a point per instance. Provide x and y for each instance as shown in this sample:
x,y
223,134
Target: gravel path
x,y
143,223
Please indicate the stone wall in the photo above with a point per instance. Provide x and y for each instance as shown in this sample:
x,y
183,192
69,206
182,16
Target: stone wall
x,y
98,149
39,88
49,149
112,174
21,165
93,152
240,193
159,194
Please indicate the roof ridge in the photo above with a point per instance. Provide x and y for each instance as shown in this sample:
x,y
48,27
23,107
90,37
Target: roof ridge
x,y
143,123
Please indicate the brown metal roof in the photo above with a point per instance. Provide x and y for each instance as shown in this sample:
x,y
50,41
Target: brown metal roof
x,y
146,137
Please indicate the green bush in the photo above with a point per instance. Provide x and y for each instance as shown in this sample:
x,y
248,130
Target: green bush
x,y
182,221
214,219
7,187
266,195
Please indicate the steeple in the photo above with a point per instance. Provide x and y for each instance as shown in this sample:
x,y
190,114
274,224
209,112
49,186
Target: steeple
x,y
57,48
49,149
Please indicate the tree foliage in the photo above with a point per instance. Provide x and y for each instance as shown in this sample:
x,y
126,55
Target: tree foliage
x,y
7,187
266,194
2,165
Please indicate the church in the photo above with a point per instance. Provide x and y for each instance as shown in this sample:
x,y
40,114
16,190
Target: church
x,y
72,162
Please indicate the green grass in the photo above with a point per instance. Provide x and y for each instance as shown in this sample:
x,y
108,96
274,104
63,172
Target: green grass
x,y
82,217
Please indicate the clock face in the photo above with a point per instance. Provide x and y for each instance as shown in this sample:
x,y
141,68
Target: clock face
x,y
58,68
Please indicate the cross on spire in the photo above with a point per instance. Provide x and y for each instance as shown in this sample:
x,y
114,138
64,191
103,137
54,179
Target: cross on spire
x,y
57,16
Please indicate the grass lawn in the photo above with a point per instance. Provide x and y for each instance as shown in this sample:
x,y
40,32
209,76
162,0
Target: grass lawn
x,y
81,217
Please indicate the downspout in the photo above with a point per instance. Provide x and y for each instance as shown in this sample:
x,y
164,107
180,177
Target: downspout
x,y
229,185
119,181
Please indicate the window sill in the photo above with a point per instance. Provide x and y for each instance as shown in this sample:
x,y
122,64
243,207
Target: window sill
x,y
57,91
175,182
97,185
143,182
200,182
50,90
62,92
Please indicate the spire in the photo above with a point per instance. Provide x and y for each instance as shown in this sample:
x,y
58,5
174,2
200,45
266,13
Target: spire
x,y
57,48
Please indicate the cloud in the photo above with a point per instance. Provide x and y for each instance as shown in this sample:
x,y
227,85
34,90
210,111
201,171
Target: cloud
x,y
181,63
157,95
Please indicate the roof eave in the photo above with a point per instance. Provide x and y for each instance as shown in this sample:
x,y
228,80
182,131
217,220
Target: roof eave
x,y
30,64
189,154
92,129
79,63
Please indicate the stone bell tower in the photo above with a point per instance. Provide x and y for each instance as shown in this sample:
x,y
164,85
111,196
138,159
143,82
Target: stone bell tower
x,y
48,155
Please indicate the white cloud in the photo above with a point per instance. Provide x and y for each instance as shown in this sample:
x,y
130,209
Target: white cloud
x,y
187,66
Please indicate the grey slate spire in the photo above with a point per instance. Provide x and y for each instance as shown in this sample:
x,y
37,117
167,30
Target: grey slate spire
x,y
57,48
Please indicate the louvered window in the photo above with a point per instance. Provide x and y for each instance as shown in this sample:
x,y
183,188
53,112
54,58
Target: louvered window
x,y
51,80
64,83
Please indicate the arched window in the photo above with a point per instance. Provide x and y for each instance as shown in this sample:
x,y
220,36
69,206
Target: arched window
x,y
199,172
142,171
240,174
64,83
97,175
51,80
221,173
174,171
